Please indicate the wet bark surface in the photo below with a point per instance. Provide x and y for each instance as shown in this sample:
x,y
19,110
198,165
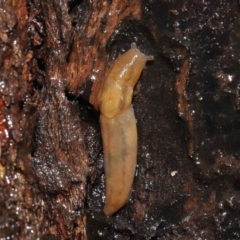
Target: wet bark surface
x,y
54,56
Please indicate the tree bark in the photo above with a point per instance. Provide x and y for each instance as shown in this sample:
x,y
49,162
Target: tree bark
x,y
54,56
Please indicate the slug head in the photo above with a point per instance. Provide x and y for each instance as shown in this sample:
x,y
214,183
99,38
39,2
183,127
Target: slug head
x,y
115,95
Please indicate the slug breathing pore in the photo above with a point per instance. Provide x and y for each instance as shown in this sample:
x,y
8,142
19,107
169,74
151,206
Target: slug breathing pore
x,y
118,127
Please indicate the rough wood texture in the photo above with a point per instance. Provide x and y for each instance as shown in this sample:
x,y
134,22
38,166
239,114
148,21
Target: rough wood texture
x,y
19,216
59,158
53,57
96,23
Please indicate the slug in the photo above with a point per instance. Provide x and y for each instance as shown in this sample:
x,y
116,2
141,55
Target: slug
x,y
118,127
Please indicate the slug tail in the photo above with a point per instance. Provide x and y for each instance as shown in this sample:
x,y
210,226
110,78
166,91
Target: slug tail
x,y
119,136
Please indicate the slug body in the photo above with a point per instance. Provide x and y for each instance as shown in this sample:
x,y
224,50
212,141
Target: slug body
x,y
118,127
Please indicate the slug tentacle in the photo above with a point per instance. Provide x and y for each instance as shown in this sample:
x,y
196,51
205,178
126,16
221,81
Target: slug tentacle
x,y
118,126
147,58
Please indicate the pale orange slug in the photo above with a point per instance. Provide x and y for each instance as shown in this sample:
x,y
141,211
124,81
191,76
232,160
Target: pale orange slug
x,y
118,126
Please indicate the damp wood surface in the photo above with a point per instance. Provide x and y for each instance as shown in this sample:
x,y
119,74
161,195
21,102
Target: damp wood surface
x,y
54,56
